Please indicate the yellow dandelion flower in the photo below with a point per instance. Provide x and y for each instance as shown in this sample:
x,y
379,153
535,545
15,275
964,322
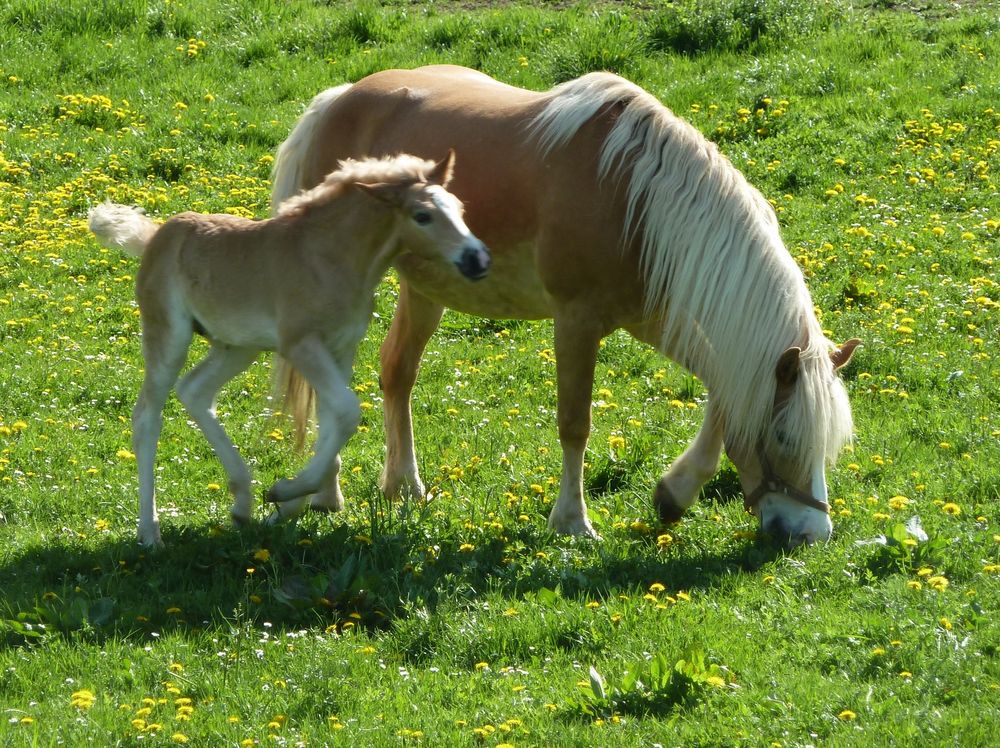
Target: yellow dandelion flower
x,y
951,508
898,502
656,587
938,583
847,716
263,555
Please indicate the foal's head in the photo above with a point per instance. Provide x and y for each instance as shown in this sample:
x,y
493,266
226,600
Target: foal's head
x,y
429,218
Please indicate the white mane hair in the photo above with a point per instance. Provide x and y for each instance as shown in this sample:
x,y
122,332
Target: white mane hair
x,y
715,267
399,169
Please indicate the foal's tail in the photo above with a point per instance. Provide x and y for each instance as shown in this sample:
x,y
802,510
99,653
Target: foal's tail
x,y
287,180
121,227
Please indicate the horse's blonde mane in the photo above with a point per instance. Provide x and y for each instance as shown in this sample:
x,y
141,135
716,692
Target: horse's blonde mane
x,y
400,169
715,266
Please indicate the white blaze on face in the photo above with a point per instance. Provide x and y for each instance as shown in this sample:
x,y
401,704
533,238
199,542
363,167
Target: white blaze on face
x,y
450,207
819,483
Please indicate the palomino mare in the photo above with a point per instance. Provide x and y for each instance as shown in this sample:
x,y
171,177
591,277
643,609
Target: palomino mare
x,y
603,210
301,283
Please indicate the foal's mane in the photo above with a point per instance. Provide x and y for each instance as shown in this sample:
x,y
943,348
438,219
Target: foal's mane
x,y
401,169
714,264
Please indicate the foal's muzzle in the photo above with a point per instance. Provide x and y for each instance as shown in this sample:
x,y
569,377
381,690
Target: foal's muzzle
x,y
474,262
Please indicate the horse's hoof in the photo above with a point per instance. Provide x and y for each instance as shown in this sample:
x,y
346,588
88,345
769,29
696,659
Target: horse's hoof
x,y
580,528
666,505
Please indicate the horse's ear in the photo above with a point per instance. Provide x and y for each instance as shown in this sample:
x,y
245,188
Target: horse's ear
x,y
384,193
787,370
843,354
442,172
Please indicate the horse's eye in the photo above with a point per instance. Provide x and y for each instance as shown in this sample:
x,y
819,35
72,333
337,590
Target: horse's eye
x,y
422,218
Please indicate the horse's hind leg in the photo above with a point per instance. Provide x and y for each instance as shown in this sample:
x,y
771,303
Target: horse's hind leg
x,y
577,338
197,391
164,352
415,320
678,488
338,411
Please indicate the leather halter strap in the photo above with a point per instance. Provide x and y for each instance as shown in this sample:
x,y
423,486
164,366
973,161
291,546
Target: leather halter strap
x,y
771,482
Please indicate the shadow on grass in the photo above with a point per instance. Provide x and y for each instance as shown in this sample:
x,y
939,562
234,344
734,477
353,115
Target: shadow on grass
x,y
328,572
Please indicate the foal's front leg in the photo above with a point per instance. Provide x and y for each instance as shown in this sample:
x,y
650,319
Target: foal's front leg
x,y
339,414
678,488
197,391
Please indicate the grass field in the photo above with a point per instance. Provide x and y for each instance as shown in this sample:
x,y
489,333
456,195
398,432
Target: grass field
x,y
875,132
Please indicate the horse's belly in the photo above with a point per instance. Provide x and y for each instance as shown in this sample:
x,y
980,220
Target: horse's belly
x,y
512,290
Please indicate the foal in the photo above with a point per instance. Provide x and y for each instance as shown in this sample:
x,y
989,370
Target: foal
x,y
301,283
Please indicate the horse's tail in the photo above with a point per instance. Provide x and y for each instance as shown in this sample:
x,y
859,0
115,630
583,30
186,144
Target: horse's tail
x,y
295,152
287,180
121,227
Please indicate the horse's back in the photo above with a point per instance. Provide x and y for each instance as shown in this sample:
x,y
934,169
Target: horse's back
x,y
553,227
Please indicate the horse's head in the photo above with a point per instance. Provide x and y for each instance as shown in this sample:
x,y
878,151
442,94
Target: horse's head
x,y
431,222
784,473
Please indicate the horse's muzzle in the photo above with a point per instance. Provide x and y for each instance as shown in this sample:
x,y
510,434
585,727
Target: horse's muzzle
x,y
474,263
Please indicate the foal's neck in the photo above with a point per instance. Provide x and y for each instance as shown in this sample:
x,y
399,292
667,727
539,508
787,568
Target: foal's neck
x,y
353,231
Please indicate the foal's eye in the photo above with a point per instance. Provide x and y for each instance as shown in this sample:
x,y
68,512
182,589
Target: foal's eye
x,y
422,218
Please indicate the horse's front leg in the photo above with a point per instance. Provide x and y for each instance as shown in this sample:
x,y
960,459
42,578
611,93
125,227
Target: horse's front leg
x,y
678,488
338,411
415,320
577,339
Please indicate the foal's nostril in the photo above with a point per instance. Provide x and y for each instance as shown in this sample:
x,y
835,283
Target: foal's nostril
x,y
474,263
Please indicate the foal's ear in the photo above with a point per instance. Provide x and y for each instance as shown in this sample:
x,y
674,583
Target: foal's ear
x,y
842,355
390,194
442,172
787,370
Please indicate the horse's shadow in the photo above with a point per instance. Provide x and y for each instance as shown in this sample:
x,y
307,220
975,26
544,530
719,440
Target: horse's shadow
x,y
323,573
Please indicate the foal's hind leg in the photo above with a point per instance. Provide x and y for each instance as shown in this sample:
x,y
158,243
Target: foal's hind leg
x,y
678,488
164,352
197,391
338,412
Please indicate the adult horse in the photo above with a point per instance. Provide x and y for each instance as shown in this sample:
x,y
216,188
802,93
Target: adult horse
x,y
603,210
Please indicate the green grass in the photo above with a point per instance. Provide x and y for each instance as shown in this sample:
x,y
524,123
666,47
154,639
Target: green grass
x,y
874,131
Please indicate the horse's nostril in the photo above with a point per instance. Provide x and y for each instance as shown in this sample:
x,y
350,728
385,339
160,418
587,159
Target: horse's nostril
x,y
775,526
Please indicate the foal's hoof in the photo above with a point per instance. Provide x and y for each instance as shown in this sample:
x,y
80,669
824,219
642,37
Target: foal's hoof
x,y
322,509
666,505
150,537
274,495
